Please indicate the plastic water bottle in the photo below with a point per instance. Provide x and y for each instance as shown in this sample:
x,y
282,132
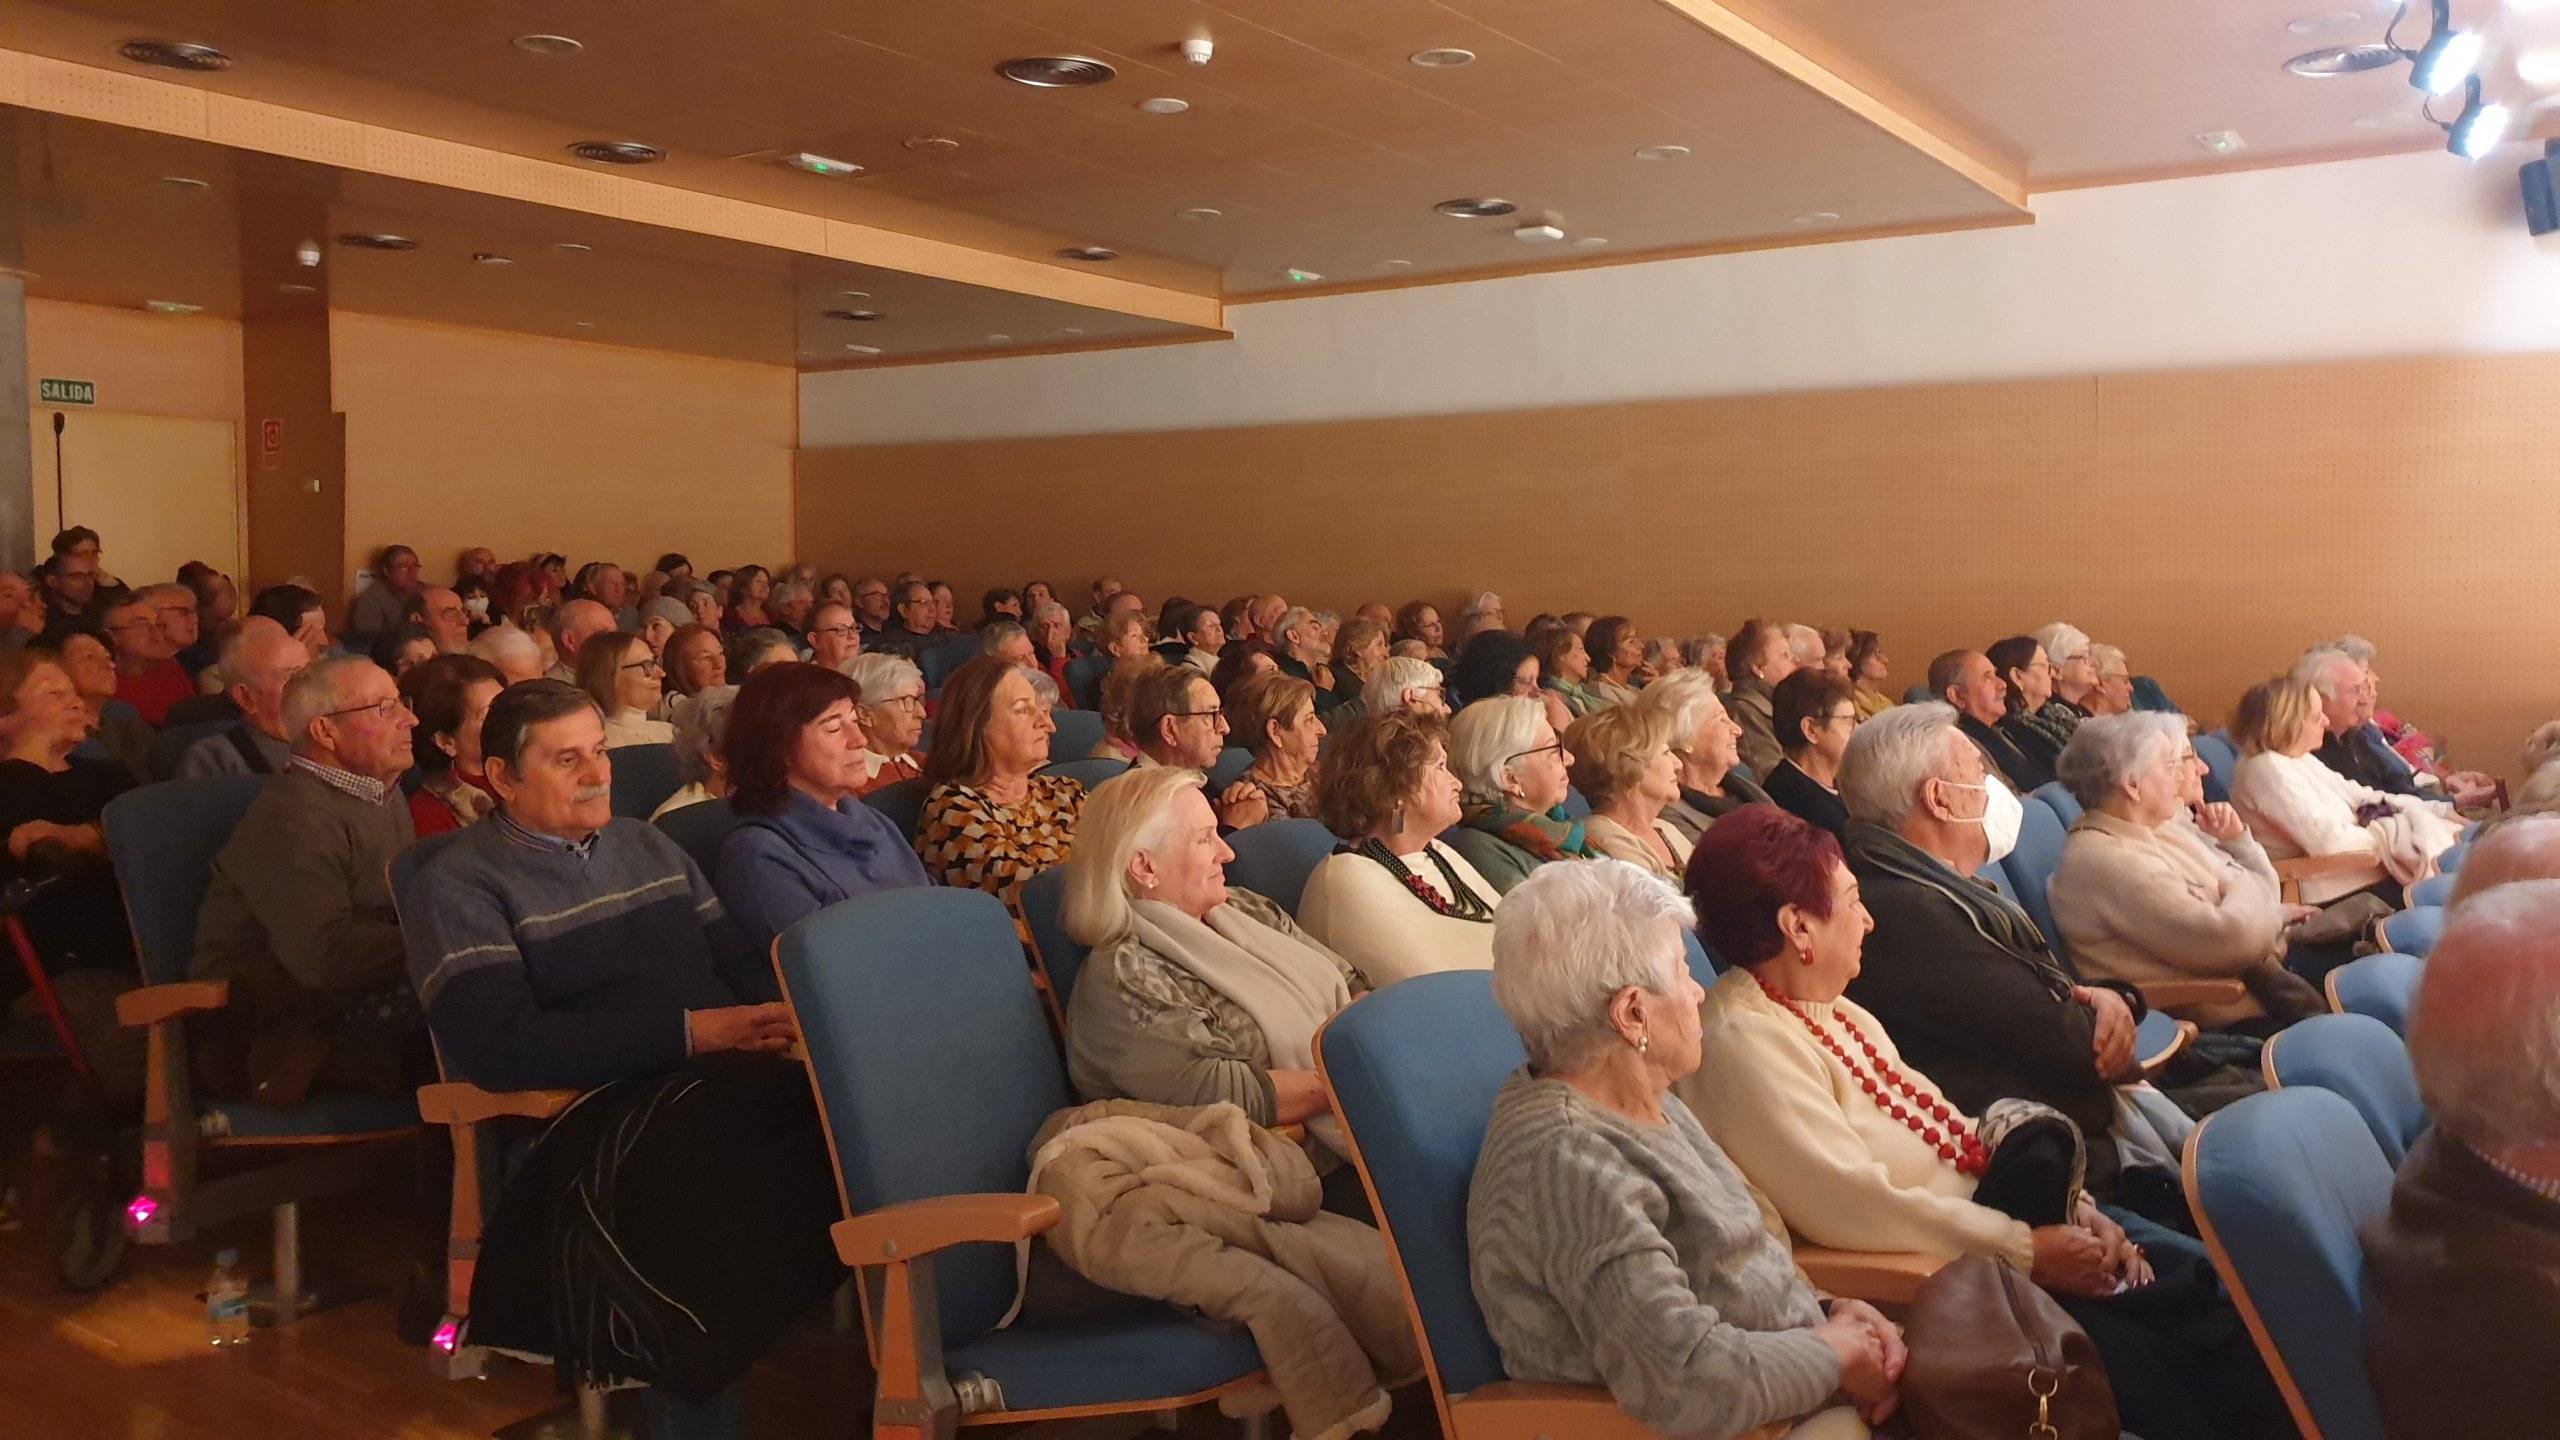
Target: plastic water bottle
x,y
226,1302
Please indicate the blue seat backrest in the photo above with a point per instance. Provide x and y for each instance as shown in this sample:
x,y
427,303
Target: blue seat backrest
x,y
2384,986
1998,879
1917,695
933,1061
902,802
162,840
2220,761
2414,931
1575,804
1274,859
643,777
1703,965
1231,763
2280,1182
1044,909
1414,1069
1087,773
1084,682
2059,800
2360,1058
1078,732
700,830
2031,864
406,865
174,741
937,662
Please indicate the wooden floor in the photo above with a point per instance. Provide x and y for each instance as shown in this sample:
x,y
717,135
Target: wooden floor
x,y
131,1362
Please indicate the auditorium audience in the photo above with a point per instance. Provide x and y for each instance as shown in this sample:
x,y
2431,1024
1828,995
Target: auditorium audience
x,y
1405,683
117,730
2299,808
50,802
72,598
440,612
1817,712
1707,743
2463,1271
2143,893
511,650
697,659
750,586
1419,621
1240,661
660,619
991,820
174,609
1958,975
2075,672
1970,684
403,649
2355,746
1274,718
1051,632
914,630
1177,719
1623,765
626,682
752,650
298,609
1395,900
1761,658
450,696
148,675
297,917
1858,1150
1118,688
1609,1241
1511,770
2111,691
257,660
1870,672
379,607
712,1234
701,723
2030,720
796,768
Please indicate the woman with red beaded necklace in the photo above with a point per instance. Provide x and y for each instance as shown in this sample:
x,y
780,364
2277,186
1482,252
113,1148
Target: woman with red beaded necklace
x,y
1858,1150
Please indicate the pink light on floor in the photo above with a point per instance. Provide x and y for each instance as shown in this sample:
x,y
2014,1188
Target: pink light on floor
x,y
139,1213
447,1336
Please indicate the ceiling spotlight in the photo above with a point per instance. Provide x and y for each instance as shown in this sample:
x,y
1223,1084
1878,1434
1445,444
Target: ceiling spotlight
x,y
618,152
1056,72
172,307
1300,277
1200,212
2222,142
1663,152
185,182
821,165
1164,105
174,55
864,349
490,257
296,287
932,144
862,315
1475,208
307,254
1816,217
1395,264
1445,57
1589,242
571,247
2480,127
1088,254
1538,234
377,240
548,45
2332,61
2449,57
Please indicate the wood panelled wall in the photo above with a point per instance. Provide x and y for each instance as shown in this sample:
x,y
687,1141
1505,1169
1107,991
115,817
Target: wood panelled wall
x,y
2210,522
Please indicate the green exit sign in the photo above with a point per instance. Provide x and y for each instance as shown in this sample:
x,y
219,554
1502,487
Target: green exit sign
x,y
66,392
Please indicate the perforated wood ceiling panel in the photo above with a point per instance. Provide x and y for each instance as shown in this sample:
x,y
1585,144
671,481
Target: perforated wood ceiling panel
x,y
2212,523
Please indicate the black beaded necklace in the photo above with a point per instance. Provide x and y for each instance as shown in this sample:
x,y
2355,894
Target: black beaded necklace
x,y
1467,906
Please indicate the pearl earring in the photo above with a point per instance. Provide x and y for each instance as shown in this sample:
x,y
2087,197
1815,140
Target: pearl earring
x,y
1643,1043
1804,957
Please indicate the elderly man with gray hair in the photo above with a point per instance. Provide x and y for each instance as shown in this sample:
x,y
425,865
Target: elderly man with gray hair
x,y
511,650
2341,673
2464,1269
577,622
257,661
298,914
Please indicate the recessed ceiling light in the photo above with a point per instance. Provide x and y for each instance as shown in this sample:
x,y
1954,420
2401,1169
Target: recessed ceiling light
x,y
821,165
1589,242
932,144
2325,22
548,45
1538,234
1089,254
491,257
1056,72
172,307
1395,264
571,247
377,240
2222,142
865,316
2335,60
864,349
618,152
1068,332
1817,217
1663,152
853,294
296,287
1200,212
185,182
174,55
1164,105
1301,277
1445,57
999,339
2539,68
1475,207
583,324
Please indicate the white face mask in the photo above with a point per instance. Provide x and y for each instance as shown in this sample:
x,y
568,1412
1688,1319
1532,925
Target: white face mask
x,y
2000,819
477,607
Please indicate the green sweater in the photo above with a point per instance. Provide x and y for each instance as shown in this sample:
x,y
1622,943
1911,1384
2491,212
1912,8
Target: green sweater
x,y
1610,1253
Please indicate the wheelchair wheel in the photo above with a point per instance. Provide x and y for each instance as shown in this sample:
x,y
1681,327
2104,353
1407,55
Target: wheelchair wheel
x,y
86,1234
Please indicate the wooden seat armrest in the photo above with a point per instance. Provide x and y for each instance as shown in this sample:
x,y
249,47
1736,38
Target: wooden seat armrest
x,y
2179,994
917,1228
456,1102
2291,873
2152,1065
1518,1410
1889,1276
152,1004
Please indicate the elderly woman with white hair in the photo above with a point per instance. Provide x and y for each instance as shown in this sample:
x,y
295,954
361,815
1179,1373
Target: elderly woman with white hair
x,y
2145,894
1622,763
1511,772
701,722
892,714
1402,682
1707,742
2075,672
2110,683
1609,1240
1195,993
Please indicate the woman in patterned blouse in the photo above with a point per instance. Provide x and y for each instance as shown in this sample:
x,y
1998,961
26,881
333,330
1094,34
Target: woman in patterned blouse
x,y
991,821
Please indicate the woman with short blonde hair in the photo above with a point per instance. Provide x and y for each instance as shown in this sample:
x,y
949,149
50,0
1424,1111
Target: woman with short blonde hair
x,y
1623,765
1708,743
1274,717
2300,808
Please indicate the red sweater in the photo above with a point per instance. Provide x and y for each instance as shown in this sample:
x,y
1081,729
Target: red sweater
x,y
154,690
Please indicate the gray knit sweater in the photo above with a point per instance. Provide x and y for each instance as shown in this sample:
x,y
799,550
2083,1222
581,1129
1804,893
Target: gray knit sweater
x,y
1610,1253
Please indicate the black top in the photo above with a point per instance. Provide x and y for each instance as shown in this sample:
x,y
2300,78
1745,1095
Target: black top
x,y
2356,755
1806,798
2022,769
79,919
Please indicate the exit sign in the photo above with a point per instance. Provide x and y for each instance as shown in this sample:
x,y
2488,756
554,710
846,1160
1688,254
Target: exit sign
x,y
66,392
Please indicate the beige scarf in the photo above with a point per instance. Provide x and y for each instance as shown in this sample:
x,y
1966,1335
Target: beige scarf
x,y
1287,985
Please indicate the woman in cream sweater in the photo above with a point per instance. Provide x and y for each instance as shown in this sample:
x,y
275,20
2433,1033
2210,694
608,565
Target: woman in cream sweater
x,y
2298,806
1623,764
1395,901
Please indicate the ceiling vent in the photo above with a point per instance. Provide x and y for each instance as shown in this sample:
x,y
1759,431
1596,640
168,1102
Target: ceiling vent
x,y
617,152
377,240
1057,72
174,55
1475,208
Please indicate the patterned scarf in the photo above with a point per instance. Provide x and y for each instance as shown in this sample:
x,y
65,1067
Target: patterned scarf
x,y
1992,914
1552,836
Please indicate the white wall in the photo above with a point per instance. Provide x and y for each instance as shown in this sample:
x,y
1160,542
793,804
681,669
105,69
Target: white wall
x,y
2413,254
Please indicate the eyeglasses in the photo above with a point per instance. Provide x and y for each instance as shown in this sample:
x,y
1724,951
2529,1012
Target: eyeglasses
x,y
1555,749
836,630
1849,715
1213,712
903,702
654,667
382,709
2115,677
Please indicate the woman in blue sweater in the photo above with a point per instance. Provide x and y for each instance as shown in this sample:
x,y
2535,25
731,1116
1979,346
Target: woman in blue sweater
x,y
795,752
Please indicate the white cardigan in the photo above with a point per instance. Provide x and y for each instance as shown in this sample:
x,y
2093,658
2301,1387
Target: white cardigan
x,y
2297,806
1362,913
